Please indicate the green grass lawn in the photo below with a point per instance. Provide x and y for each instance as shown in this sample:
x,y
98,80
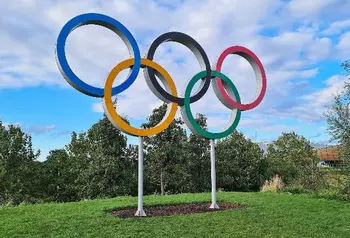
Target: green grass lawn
x,y
266,215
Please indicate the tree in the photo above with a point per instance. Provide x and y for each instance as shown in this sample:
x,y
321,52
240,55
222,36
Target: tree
x,y
338,118
240,166
292,157
59,177
94,164
165,154
102,164
79,160
131,155
19,168
110,169
338,115
198,160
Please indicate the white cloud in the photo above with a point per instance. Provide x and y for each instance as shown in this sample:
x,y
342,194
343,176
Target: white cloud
x,y
337,27
31,128
290,55
343,46
311,106
302,8
97,107
38,129
319,49
326,95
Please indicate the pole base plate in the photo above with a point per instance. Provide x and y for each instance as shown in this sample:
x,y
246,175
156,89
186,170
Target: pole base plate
x,y
140,213
214,206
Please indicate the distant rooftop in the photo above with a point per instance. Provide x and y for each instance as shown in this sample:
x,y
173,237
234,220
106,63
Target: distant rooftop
x,y
330,153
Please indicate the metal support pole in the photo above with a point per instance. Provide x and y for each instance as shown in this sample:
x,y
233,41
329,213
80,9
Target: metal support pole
x,y
213,205
140,212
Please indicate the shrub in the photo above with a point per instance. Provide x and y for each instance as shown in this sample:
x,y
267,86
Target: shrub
x,y
291,156
296,190
332,195
239,162
274,185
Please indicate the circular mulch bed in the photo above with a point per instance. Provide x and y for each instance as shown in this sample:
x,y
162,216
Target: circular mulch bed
x,y
171,210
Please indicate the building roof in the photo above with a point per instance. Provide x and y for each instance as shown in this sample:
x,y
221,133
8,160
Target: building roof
x,y
330,153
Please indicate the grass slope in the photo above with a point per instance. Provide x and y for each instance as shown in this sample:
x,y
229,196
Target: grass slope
x,y
267,215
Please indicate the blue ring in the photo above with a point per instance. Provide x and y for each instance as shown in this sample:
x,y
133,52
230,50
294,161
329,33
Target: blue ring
x,y
110,23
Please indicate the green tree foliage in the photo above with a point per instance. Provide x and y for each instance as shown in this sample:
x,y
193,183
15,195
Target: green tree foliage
x,y
240,164
59,177
98,163
95,164
338,118
198,160
292,157
131,168
19,170
164,160
79,160
110,170
338,114
101,162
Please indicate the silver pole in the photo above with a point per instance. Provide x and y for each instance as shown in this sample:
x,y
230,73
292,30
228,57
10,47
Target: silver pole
x,y
140,212
213,205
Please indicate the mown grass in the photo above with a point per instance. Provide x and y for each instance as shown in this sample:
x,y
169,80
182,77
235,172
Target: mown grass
x,y
266,215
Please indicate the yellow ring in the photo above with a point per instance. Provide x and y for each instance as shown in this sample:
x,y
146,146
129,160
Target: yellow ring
x,y
111,111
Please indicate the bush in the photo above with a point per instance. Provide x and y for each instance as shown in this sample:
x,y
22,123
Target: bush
x,y
296,190
293,159
240,164
332,195
274,185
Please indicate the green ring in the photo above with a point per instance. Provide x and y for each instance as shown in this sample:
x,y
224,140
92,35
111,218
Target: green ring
x,y
192,121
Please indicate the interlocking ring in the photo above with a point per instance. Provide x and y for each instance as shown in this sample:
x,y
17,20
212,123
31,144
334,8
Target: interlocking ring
x,y
259,73
113,25
196,49
190,121
117,121
223,87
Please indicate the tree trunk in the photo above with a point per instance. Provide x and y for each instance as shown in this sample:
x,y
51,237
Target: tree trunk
x,y
161,183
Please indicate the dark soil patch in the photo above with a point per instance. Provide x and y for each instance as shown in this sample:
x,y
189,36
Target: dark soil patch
x,y
171,210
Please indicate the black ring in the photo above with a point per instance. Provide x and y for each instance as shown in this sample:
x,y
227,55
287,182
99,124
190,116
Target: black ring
x,y
196,49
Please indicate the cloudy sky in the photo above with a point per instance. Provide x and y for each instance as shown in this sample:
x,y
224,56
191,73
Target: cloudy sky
x,y
300,43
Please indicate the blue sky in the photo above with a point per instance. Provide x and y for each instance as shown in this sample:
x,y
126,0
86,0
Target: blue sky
x,y
300,43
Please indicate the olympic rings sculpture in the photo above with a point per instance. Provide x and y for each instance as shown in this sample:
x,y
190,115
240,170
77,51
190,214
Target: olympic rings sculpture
x,y
223,87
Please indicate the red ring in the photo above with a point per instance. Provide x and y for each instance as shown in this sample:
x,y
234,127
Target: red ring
x,y
254,61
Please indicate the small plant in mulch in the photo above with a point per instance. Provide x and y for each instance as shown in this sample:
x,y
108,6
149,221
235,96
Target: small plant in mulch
x,y
171,210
